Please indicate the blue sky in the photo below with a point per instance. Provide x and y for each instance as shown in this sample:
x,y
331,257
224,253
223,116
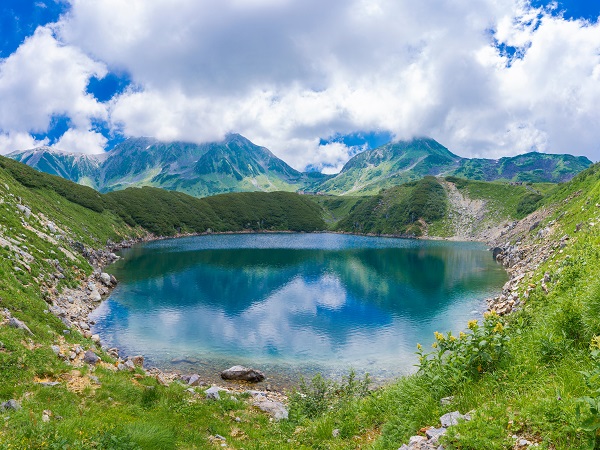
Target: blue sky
x,y
314,88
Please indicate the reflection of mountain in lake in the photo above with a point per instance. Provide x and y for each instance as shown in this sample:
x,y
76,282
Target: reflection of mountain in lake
x,y
301,303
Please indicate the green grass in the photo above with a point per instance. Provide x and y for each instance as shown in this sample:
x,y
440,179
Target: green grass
x,y
398,210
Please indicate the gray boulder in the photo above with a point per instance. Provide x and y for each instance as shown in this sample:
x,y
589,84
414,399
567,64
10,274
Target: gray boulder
x,y
16,323
95,296
240,373
452,418
434,434
105,278
194,380
277,410
11,405
212,393
91,358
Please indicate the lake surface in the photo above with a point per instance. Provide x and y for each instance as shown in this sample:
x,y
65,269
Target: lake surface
x,y
293,304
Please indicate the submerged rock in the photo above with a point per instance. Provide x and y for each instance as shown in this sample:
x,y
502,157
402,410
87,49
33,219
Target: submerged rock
x,y
241,373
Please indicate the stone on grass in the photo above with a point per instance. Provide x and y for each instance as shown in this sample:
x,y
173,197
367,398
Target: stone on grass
x,y
16,323
91,358
129,365
277,410
194,380
241,373
11,405
434,434
451,418
48,383
446,401
212,393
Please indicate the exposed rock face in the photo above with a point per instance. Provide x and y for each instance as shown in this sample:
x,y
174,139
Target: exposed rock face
x,y
240,373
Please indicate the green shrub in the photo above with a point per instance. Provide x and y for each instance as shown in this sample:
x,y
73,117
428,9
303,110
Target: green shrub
x,y
320,395
456,359
528,204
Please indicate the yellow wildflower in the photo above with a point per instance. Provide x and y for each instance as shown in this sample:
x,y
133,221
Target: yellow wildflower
x,y
434,345
438,336
472,324
462,335
452,338
490,314
498,328
595,342
419,346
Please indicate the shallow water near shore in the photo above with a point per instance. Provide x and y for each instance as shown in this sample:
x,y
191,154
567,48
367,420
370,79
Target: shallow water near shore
x,y
292,304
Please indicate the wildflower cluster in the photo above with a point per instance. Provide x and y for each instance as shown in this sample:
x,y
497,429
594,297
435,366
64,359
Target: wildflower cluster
x,y
456,358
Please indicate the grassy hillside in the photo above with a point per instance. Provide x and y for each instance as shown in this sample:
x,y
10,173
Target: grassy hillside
x,y
167,213
402,210
432,206
532,374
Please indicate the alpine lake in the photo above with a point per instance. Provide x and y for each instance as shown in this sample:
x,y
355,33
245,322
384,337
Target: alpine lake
x,y
293,304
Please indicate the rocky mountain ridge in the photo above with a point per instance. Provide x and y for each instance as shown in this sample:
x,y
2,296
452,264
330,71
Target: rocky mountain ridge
x,y
237,165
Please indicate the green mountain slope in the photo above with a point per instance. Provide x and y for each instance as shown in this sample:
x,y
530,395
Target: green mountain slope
x,y
167,213
397,163
529,167
233,165
390,165
237,165
83,169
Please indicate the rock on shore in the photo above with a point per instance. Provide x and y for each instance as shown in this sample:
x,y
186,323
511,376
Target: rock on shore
x,y
241,373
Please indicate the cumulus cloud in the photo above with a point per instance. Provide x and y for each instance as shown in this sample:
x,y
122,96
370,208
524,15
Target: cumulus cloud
x,y
81,141
44,79
485,79
19,141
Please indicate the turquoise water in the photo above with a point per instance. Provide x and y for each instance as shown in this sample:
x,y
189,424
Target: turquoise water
x,y
293,303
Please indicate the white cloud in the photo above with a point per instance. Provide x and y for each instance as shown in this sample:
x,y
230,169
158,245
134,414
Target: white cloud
x,y
44,79
81,141
285,73
18,141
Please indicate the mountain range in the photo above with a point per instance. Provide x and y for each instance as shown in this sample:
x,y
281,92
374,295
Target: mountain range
x,y
237,165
